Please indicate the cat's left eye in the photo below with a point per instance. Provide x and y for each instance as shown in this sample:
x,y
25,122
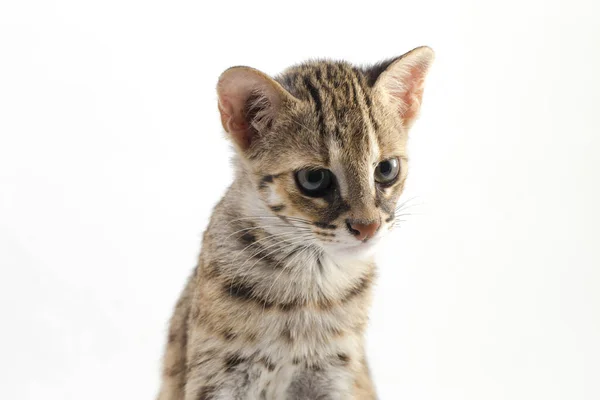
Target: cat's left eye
x,y
387,171
314,182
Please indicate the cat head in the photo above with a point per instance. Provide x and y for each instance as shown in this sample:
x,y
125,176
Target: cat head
x,y
323,145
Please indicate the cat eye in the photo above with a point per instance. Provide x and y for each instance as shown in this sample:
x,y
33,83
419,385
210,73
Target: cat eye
x,y
387,171
314,182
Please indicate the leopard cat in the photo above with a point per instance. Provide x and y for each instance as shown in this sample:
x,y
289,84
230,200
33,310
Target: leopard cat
x,y
277,305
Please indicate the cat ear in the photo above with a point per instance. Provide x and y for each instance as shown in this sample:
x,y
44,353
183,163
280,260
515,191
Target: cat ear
x,y
248,102
402,81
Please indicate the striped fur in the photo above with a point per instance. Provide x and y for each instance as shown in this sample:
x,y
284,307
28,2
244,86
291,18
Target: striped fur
x,y
278,304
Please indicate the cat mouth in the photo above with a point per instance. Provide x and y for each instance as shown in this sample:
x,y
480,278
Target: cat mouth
x,y
359,247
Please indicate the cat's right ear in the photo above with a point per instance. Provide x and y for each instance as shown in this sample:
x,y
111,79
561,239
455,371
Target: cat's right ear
x,y
249,100
402,80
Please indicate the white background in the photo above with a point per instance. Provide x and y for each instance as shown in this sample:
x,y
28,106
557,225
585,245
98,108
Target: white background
x,y
112,156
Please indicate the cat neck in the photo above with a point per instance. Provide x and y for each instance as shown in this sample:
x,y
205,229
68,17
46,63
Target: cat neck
x,y
276,259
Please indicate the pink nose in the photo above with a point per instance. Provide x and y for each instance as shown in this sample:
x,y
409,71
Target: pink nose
x,y
361,231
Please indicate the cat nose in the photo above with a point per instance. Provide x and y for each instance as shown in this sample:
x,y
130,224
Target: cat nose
x,y
362,231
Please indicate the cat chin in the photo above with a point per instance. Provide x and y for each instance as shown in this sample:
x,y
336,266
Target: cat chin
x,y
354,251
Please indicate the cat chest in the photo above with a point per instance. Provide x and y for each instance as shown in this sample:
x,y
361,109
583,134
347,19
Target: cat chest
x,y
286,381
301,339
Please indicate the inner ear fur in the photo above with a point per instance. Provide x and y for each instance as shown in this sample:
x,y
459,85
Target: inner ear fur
x,y
248,103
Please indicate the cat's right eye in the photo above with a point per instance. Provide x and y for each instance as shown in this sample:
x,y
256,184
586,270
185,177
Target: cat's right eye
x,y
387,171
314,182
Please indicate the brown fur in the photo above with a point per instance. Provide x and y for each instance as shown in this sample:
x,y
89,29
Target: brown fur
x,y
278,304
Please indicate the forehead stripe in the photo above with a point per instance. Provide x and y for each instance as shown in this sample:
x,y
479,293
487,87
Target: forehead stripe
x,y
361,83
314,93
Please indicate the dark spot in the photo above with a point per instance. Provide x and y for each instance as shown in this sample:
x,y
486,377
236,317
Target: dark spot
x,y
269,124
229,335
263,394
277,208
265,255
240,290
363,284
248,238
268,364
344,359
324,225
286,334
265,180
325,303
233,360
314,367
172,337
337,208
390,218
296,361
206,393
243,291
291,305
320,265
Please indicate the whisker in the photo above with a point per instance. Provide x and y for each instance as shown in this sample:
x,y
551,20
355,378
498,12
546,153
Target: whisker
x,y
300,228
240,268
274,251
297,219
276,235
406,205
255,253
406,214
303,249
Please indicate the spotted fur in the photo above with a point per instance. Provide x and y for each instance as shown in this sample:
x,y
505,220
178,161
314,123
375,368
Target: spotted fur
x,y
277,306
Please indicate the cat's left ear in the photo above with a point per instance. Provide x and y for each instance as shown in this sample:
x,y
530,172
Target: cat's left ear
x,y
402,81
249,101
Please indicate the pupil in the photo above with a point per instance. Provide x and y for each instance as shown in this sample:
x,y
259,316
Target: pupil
x,y
385,167
315,176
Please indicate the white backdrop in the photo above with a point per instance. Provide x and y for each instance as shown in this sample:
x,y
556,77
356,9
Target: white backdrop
x,y
112,156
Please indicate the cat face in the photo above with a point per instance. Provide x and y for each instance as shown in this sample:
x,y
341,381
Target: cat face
x,y
323,145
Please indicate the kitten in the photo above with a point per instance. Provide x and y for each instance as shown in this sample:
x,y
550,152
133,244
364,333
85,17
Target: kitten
x,y
277,305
